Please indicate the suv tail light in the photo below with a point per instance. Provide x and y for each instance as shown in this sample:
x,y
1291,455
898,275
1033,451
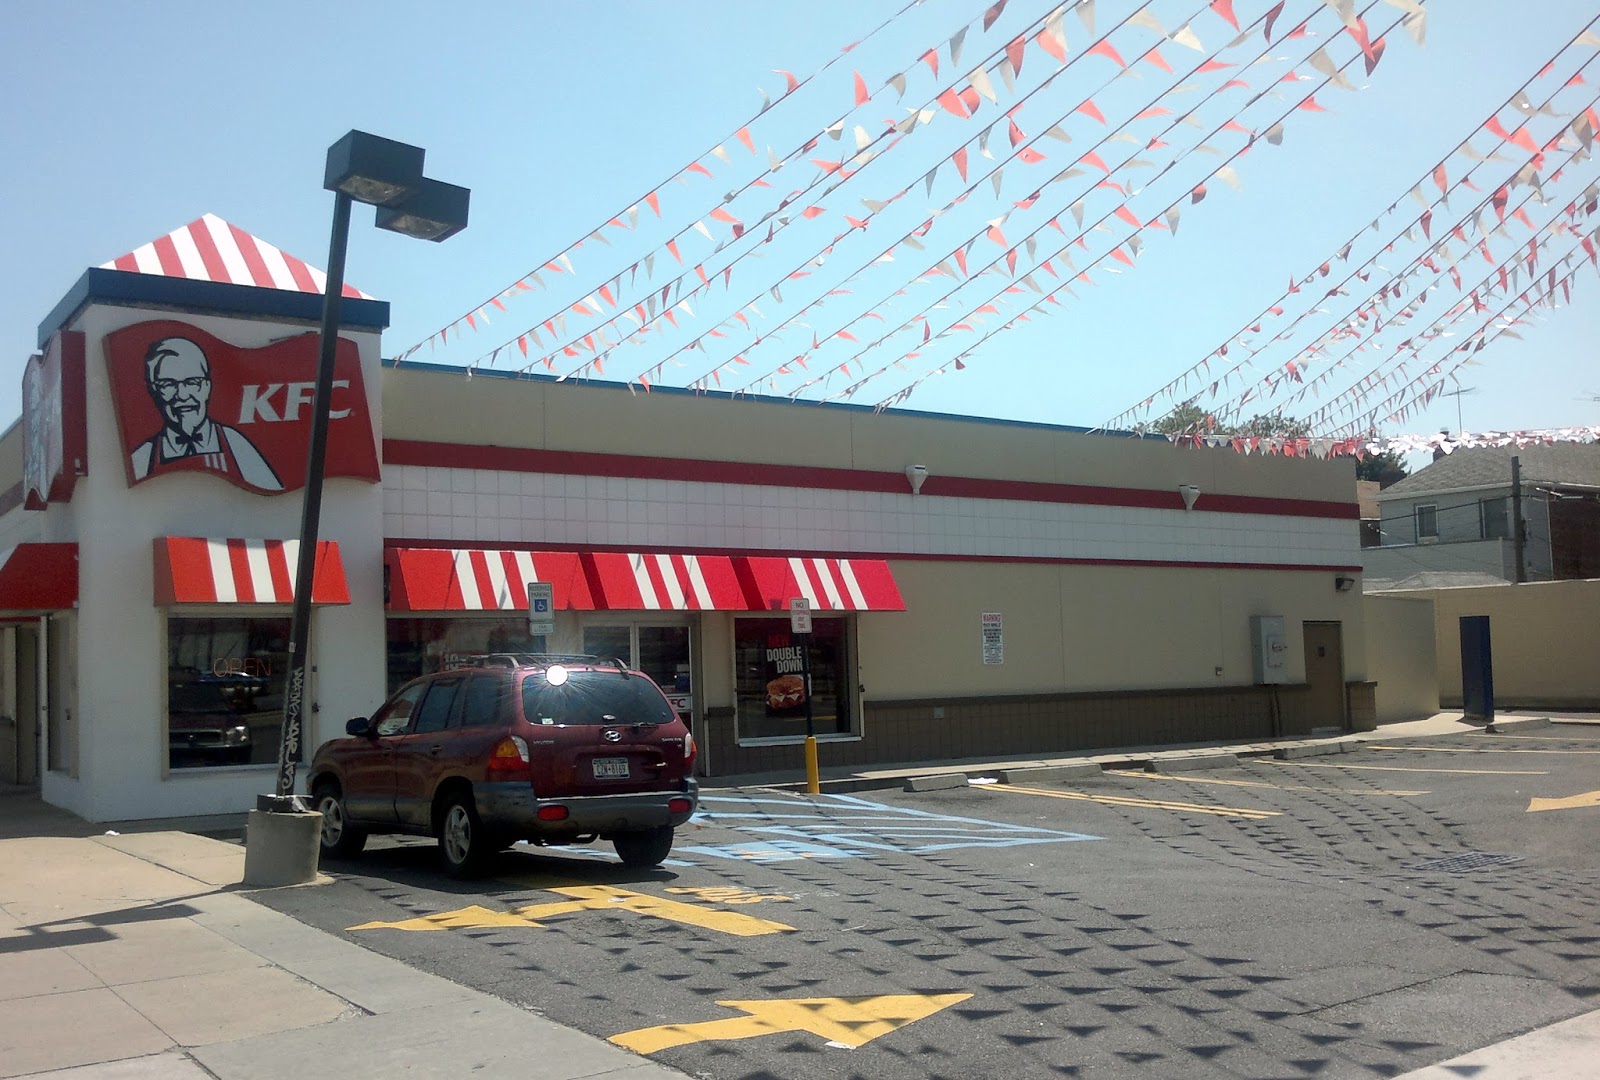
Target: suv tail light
x,y
679,805
509,760
689,750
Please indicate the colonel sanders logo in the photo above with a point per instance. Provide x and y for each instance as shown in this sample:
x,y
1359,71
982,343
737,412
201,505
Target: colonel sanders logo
x,y
178,376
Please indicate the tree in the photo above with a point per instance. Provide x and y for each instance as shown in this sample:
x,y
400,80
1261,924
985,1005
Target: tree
x,y
1190,419
1385,468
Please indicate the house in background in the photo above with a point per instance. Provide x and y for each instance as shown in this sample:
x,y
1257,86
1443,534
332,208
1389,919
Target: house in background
x,y
1453,522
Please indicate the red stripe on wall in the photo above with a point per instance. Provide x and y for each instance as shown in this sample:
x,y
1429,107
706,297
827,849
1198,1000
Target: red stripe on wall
x,y
575,463
282,574
243,585
302,276
127,262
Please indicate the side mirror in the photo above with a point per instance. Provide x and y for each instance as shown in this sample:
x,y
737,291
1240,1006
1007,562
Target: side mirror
x,y
360,725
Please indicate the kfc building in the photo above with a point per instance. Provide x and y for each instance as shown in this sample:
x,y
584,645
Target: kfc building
x,y
978,588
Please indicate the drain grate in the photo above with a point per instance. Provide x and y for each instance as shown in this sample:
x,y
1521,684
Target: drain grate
x,y
1465,862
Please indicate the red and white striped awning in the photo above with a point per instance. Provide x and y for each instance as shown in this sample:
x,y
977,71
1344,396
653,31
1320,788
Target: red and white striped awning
x,y
470,579
210,249
830,584
38,577
207,570
640,581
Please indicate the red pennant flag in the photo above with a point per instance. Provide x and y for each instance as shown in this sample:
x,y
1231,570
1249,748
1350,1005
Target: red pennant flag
x,y
993,13
1121,256
969,98
960,158
826,166
861,90
847,335
788,78
1105,49
1234,125
1272,17
1129,216
672,246
961,260
951,101
1015,133
1199,194
855,223
1011,262
1310,105
1210,66
1092,158
1014,53
1090,109
1030,156
1052,45
1441,178
699,168
522,343
1225,9
994,233
1426,221
1155,58
931,58
1499,200
812,212
744,137
719,214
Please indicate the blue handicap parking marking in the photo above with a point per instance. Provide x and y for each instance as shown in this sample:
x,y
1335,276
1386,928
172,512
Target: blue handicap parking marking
x,y
850,827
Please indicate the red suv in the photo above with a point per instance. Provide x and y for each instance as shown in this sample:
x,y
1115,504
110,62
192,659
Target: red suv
x,y
552,750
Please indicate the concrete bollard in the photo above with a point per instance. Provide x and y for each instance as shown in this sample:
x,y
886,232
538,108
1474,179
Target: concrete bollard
x,y
281,845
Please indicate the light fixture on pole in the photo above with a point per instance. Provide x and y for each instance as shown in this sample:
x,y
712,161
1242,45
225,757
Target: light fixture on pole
x,y
386,174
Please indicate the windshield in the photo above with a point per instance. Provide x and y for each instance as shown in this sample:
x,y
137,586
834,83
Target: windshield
x,y
594,697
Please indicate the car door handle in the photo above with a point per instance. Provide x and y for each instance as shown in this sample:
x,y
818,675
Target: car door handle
x,y
435,748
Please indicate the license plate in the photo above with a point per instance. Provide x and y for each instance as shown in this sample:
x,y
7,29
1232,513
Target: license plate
x,y
611,768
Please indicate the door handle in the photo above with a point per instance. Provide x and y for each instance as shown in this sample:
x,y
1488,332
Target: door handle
x,y
435,748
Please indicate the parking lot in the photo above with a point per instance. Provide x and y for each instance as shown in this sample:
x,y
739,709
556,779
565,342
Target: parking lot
x,y
1355,915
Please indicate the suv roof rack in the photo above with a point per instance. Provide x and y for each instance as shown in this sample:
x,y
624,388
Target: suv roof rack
x,y
524,659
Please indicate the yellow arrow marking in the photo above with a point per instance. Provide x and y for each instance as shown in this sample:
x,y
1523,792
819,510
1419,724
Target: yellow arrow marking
x,y
1125,800
1251,783
589,898
1402,768
1571,802
851,1022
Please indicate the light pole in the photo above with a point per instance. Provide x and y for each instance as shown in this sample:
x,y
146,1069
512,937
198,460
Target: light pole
x,y
388,175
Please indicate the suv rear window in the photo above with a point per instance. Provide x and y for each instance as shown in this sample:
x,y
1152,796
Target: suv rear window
x,y
594,697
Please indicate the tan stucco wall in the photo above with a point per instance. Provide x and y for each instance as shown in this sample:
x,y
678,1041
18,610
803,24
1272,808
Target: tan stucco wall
x,y
1401,657
1545,638
431,406
1076,628
11,456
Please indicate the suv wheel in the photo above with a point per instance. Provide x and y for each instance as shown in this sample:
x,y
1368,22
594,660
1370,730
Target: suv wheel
x,y
464,844
340,840
643,849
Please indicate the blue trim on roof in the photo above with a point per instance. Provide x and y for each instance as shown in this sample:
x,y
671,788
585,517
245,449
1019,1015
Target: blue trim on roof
x,y
481,373
123,287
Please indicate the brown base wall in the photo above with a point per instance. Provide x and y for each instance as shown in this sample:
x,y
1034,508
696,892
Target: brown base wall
x,y
908,731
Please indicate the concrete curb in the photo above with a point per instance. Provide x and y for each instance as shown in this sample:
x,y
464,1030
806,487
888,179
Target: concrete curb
x,y
1192,764
1043,774
937,782
1518,723
1289,753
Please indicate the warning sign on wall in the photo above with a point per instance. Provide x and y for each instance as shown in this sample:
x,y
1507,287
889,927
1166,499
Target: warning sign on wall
x,y
994,640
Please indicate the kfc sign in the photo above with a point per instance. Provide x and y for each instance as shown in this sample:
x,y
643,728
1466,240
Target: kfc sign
x,y
54,424
189,402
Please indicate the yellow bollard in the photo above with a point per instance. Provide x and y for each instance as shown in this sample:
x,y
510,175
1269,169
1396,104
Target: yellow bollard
x,y
813,782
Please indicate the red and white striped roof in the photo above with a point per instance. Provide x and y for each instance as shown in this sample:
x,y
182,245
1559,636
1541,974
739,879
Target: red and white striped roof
x,y
208,570
830,584
210,249
472,579
639,581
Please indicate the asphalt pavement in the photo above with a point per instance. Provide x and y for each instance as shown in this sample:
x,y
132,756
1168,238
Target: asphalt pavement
x,y
1172,913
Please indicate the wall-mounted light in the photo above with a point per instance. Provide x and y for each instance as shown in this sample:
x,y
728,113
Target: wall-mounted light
x,y
1190,493
1343,583
916,474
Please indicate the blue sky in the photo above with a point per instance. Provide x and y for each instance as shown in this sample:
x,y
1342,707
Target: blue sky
x,y
124,122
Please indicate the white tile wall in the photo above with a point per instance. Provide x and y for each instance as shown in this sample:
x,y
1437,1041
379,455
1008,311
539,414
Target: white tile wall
x,y
444,505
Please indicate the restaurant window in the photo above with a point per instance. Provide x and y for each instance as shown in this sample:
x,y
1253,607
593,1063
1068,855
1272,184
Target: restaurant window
x,y
225,682
422,646
769,688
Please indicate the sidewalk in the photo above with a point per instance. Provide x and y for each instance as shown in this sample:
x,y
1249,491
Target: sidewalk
x,y
138,957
